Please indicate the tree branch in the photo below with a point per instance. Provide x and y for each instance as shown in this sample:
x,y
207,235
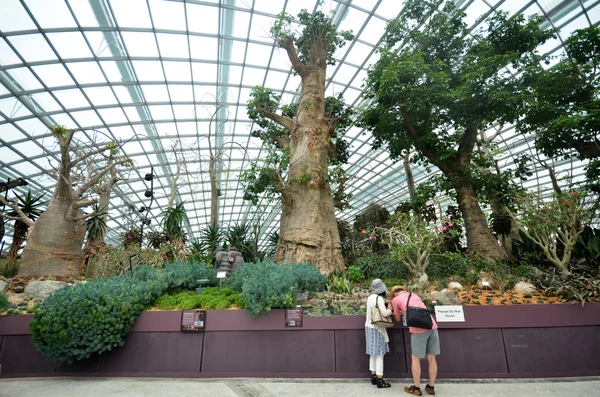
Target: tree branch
x,y
83,188
82,217
87,155
84,203
284,121
22,217
283,141
299,67
10,218
432,155
467,144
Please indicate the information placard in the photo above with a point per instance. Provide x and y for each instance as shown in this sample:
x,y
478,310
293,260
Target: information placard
x,y
193,320
293,317
449,314
221,274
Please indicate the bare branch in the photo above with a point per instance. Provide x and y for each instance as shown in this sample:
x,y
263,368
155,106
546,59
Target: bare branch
x,y
299,67
284,121
174,185
22,217
84,203
10,218
84,187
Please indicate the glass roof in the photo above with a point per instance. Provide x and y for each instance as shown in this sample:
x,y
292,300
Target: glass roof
x,y
151,72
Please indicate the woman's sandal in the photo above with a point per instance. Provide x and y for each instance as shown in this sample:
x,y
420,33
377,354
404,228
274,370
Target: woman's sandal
x,y
382,384
373,379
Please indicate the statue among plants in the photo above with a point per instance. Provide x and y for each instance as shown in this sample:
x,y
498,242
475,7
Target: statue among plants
x,y
229,261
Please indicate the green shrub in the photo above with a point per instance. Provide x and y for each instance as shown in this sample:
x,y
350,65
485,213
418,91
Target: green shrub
x,y
381,266
267,285
355,274
447,264
73,323
339,283
4,305
209,299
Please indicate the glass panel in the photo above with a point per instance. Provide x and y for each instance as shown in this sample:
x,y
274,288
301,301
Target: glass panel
x,y
259,54
33,127
112,116
71,98
181,93
14,17
131,13
155,93
148,70
33,47
70,45
10,134
25,78
241,23
177,71
140,44
202,18
51,13
203,48
84,13
205,72
87,72
173,45
7,55
100,96
54,75
46,101
87,118
167,15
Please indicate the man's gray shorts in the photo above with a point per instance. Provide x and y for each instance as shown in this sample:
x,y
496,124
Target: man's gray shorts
x,y
429,343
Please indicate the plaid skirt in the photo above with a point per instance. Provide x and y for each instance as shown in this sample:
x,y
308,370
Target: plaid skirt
x,y
376,346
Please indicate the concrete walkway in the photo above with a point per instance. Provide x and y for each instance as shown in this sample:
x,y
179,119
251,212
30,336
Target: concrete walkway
x,y
134,387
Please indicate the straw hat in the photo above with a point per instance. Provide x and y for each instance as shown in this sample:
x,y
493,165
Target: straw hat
x,y
397,288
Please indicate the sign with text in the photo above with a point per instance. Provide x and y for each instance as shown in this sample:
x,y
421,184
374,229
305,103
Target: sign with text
x,y
293,317
193,320
221,274
449,314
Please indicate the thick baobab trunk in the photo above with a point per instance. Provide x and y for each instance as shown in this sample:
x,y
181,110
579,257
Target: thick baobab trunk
x,y
308,231
54,245
479,237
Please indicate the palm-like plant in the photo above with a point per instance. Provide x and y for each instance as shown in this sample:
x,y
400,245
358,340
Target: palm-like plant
x,y
172,222
32,207
211,237
238,236
272,240
96,226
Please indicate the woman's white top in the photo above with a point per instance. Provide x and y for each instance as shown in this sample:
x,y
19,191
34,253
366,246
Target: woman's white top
x,y
373,300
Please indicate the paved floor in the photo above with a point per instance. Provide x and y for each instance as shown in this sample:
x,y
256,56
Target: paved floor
x,y
138,387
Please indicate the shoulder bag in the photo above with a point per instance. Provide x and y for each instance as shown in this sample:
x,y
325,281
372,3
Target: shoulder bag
x,y
417,316
378,319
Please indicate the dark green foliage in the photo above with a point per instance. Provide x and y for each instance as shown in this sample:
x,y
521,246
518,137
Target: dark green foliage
x,y
4,305
267,285
372,217
209,299
501,223
238,236
448,264
355,274
563,108
96,225
131,237
381,266
76,322
588,245
173,221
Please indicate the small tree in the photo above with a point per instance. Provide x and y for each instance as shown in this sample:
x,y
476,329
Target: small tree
x,y
304,141
55,239
435,86
411,241
554,225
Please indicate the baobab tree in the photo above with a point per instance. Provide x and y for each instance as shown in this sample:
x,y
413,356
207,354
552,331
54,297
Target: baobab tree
x,y
55,239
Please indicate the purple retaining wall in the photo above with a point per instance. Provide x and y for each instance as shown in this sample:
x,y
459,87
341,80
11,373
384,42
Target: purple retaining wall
x,y
494,342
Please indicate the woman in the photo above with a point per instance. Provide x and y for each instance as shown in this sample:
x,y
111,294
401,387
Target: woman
x,y
377,337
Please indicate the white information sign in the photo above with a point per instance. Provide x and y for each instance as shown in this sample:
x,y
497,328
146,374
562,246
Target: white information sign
x,y
449,314
221,274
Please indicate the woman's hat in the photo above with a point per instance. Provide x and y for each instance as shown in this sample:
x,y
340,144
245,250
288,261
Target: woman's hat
x,y
378,287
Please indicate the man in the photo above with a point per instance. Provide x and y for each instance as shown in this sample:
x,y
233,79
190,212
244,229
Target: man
x,y
423,342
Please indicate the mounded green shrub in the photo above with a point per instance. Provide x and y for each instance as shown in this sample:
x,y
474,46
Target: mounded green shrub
x,y
381,265
73,323
267,285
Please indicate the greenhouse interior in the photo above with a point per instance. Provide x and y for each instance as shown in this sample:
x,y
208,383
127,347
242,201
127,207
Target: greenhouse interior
x,y
262,156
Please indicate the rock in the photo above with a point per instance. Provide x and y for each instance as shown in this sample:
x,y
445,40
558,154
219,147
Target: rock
x,y
14,299
43,289
435,295
301,296
448,297
524,287
454,285
3,287
18,289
